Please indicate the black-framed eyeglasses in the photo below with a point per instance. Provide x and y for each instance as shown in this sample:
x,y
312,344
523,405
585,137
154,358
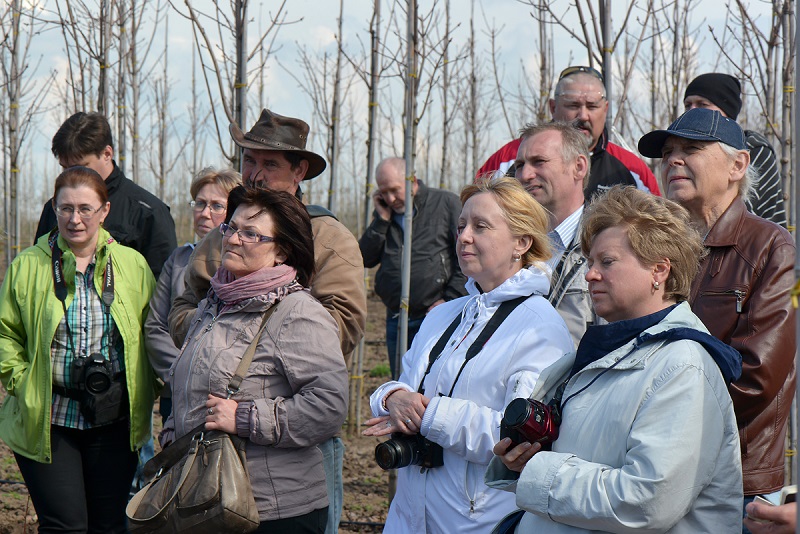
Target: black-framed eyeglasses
x,y
245,236
84,212
215,207
579,68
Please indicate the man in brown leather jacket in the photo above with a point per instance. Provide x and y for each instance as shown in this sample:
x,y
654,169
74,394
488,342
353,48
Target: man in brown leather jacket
x,y
742,291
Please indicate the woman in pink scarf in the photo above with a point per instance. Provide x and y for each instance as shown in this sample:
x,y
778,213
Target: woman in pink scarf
x,y
294,395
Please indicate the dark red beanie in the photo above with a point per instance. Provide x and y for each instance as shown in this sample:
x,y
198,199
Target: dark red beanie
x,y
723,90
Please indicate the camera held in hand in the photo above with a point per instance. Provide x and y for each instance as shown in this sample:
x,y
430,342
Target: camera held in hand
x,y
532,421
403,450
103,393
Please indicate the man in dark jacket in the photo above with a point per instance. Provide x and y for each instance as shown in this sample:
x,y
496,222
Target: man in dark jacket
x,y
435,274
742,292
137,218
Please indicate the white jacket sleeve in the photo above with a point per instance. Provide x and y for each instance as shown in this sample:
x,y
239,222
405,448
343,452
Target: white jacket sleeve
x,y
672,449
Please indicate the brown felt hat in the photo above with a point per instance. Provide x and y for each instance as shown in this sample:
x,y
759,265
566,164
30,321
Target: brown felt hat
x,y
276,132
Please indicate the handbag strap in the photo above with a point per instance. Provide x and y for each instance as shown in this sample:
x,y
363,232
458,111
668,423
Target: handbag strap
x,y
247,359
136,500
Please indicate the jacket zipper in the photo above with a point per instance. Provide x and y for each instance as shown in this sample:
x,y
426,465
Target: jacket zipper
x,y
738,292
198,338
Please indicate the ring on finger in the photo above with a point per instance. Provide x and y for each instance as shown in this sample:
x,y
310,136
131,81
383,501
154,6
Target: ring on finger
x,y
211,411
408,421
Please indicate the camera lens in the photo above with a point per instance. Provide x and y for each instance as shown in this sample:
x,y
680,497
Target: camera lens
x,y
393,454
97,382
517,412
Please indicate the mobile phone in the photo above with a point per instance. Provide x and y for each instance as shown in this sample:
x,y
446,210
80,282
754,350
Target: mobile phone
x,y
788,494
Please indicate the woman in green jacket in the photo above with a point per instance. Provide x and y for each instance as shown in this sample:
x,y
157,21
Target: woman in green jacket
x,y
72,359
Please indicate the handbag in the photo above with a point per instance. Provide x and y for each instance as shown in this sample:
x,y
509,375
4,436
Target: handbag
x,y
199,483
509,524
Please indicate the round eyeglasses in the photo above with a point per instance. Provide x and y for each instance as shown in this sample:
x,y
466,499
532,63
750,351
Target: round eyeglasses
x,y
215,207
245,236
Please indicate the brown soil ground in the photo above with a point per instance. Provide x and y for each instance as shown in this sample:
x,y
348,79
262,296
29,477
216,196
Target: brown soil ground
x,y
366,486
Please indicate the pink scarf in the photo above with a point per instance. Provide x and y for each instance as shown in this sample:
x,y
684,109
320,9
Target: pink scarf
x,y
276,280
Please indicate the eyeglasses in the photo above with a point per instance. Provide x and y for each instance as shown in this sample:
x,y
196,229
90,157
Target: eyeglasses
x,y
576,69
215,207
245,236
84,212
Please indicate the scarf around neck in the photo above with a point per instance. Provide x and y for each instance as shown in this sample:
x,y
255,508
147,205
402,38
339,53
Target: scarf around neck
x,y
231,290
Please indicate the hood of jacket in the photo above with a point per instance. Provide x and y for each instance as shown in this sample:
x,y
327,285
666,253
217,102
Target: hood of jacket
x,y
682,323
533,280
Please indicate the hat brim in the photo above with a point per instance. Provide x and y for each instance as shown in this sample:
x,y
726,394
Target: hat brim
x,y
316,163
651,144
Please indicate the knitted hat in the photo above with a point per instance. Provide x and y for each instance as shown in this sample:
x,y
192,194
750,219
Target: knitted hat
x,y
723,90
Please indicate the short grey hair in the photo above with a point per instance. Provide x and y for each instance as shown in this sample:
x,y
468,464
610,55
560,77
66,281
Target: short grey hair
x,y
574,142
750,175
561,86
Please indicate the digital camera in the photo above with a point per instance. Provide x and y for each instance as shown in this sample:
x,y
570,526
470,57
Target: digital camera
x,y
532,421
103,392
403,450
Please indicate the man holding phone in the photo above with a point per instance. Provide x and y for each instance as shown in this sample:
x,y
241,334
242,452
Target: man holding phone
x,y
435,272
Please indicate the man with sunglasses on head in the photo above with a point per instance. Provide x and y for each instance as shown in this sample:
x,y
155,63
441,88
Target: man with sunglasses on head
x,y
580,98
274,156
138,219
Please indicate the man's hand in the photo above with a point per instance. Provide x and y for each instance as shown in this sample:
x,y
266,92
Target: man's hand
x,y
432,306
381,208
766,519
516,458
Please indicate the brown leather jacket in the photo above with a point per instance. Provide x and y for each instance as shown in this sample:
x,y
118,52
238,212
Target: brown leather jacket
x,y
743,295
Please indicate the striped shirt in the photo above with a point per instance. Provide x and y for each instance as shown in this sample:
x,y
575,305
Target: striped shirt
x,y
93,330
563,235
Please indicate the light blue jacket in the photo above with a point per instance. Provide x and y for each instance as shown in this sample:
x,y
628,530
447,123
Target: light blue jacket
x,y
650,446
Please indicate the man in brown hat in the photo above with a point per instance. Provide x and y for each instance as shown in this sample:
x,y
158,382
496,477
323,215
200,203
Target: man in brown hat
x,y
274,156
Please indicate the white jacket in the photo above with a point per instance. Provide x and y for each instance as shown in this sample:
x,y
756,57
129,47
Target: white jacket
x,y
454,498
650,446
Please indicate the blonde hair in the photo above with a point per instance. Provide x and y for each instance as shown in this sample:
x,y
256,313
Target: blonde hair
x,y
227,179
524,215
657,228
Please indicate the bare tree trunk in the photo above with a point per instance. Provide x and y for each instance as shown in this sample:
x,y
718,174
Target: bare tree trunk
x,y
608,66
447,113
240,92
789,52
122,90
545,63
14,90
333,130
105,47
473,94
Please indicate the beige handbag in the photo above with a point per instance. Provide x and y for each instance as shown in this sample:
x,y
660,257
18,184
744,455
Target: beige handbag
x,y
200,482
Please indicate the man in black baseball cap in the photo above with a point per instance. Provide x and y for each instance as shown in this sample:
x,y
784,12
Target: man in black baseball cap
x,y
722,92
742,290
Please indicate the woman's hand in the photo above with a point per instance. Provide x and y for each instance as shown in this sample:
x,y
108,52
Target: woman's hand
x,y
516,458
221,414
766,519
406,410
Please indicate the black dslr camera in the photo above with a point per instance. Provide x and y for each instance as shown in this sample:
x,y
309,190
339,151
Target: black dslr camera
x,y
403,450
532,421
103,394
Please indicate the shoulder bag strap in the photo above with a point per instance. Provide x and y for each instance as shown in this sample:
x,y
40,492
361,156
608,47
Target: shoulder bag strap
x,y
247,359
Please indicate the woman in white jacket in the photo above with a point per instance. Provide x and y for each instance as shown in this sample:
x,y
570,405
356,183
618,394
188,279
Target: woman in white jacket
x,y
454,401
648,440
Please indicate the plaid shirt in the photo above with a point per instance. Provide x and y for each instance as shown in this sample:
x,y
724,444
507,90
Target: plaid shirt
x,y
93,330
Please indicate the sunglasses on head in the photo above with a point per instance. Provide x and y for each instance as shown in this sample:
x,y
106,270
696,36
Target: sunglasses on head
x,y
574,70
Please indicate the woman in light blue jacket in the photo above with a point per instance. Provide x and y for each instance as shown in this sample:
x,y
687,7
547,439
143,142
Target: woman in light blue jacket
x,y
648,441
455,399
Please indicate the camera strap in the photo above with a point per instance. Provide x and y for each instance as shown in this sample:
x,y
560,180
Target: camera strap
x,y
503,311
60,287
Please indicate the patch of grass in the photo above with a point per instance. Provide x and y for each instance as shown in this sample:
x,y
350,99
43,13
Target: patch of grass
x,y
373,480
380,370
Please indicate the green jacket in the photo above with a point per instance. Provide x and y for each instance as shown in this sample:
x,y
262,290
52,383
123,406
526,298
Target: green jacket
x,y
29,316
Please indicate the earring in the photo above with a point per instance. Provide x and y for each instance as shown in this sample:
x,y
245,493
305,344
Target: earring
x,y
655,285
517,256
